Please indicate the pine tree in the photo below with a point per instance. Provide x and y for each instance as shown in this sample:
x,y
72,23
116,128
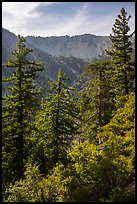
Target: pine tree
x,y
96,98
56,123
122,74
18,110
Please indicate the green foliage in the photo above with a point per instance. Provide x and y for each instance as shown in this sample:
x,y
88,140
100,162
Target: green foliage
x,y
96,97
27,189
18,110
123,72
95,173
55,185
123,120
118,143
56,124
100,173
123,195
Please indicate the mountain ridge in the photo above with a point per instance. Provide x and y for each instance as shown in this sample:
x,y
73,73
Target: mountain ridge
x,y
85,46
72,67
71,53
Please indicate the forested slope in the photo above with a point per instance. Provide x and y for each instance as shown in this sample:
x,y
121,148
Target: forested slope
x,y
70,144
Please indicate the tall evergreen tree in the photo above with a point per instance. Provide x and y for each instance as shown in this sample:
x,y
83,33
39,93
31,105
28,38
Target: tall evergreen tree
x,y
18,110
123,73
96,98
56,123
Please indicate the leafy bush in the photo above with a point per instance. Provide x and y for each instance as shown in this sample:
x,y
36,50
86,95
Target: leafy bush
x,y
27,189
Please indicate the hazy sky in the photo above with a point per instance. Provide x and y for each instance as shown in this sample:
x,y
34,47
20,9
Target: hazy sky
x,y
63,18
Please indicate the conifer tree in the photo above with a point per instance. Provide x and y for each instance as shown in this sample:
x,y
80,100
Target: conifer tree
x,y
96,98
18,110
122,74
56,122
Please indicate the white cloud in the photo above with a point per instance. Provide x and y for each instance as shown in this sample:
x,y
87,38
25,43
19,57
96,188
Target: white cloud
x,y
25,18
16,14
66,26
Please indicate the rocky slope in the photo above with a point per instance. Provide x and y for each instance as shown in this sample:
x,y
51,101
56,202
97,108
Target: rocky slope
x,y
68,53
71,66
86,47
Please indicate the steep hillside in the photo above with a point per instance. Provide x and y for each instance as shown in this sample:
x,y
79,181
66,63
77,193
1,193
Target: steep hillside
x,y
68,53
8,44
71,66
86,47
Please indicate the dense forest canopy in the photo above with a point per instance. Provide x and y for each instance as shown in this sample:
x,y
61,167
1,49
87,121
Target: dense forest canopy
x,y
72,144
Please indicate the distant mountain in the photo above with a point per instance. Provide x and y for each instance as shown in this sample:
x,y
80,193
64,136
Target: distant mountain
x,y
86,46
8,44
71,66
68,53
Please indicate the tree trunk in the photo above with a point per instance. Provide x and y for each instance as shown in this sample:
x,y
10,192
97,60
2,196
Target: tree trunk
x,y
20,150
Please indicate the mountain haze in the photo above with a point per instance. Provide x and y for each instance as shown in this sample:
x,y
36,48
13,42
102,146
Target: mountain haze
x,y
68,53
71,66
86,46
